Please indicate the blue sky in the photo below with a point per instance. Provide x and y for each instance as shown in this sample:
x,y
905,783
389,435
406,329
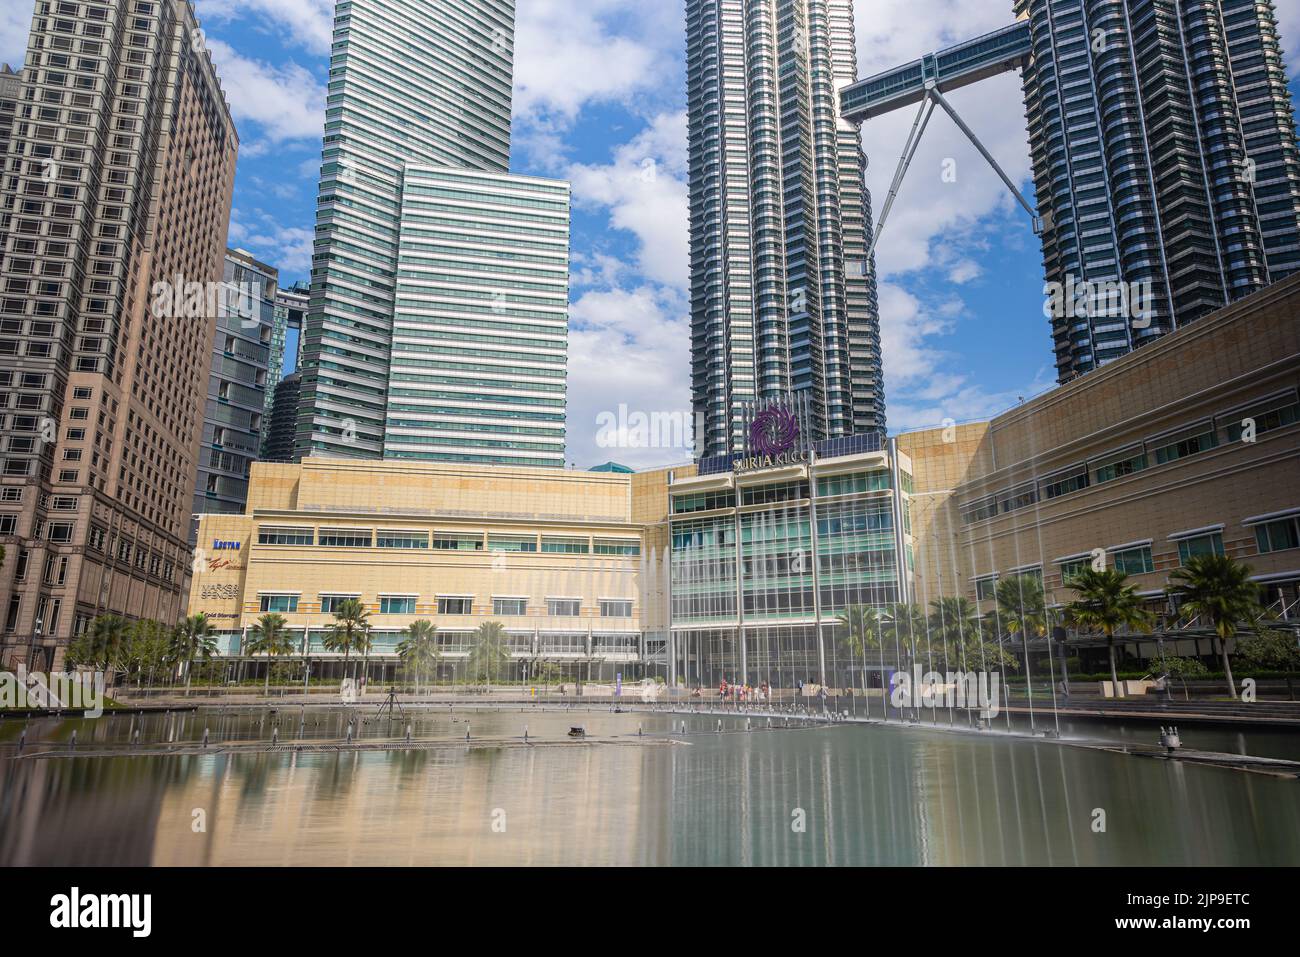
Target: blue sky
x,y
599,100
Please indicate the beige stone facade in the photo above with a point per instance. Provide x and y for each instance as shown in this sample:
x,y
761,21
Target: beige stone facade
x,y
1148,460
555,556
1192,443
127,185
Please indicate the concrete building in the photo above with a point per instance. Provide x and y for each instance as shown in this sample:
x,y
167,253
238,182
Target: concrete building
x,y
233,423
116,197
11,85
1189,446
783,299
765,559
554,555
1164,157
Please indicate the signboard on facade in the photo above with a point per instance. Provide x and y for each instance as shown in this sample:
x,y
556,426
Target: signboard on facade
x,y
773,440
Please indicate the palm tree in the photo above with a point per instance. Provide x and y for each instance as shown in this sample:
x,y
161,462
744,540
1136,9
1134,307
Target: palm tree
x,y
101,647
419,649
955,622
907,625
1106,603
270,636
1021,605
193,637
488,652
1023,611
863,629
351,630
1218,589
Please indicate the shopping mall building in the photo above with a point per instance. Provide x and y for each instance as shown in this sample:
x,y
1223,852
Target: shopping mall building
x,y
554,556
739,568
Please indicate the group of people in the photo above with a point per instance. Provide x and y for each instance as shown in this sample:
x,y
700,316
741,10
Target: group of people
x,y
746,693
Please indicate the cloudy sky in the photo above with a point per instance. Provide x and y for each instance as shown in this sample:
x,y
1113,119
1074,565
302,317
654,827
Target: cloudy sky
x,y
599,100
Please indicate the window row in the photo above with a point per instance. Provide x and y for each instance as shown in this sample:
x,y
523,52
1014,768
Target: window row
x,y
1273,533
287,603
1242,425
445,541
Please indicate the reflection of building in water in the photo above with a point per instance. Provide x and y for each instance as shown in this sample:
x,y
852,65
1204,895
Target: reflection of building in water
x,y
78,813
584,805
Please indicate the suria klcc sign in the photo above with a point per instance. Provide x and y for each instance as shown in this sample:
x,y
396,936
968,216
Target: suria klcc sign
x,y
773,441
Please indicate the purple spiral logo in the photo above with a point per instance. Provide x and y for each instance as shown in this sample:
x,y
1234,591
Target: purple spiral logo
x,y
773,431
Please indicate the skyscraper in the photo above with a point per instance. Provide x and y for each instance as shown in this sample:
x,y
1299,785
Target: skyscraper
x,y
114,203
235,417
11,85
1164,155
423,82
783,299
291,304
477,372
277,445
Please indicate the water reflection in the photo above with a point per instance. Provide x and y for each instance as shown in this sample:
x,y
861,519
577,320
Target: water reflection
x,y
837,795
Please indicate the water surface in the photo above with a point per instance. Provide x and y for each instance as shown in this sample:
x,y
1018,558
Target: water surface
x,y
843,794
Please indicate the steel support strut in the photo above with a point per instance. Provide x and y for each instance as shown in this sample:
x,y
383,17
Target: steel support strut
x,y
932,98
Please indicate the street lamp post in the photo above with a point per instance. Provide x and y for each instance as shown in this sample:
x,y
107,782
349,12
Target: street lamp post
x,y
31,644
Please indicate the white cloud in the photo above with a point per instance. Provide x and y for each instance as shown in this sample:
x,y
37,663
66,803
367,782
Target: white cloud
x,y
921,389
605,51
282,102
629,339
288,248
930,207
631,348
15,22
302,23
1288,25
644,189
940,225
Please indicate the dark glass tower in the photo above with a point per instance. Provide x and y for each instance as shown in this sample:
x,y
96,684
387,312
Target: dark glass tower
x,y
783,299
1164,155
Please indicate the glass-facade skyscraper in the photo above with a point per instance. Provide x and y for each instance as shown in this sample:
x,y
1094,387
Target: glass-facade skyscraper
x,y
783,298
234,418
478,364
1164,155
423,82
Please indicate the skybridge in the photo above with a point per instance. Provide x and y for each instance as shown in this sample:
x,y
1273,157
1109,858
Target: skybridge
x,y
968,62
925,81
